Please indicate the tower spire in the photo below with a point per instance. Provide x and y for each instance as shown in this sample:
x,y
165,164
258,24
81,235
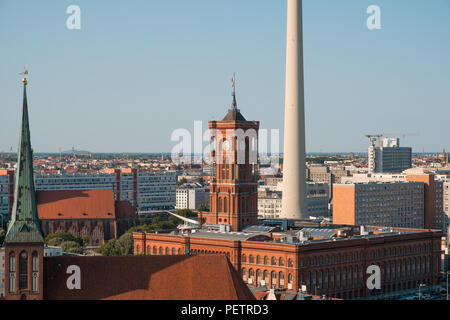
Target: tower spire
x,y
24,224
233,93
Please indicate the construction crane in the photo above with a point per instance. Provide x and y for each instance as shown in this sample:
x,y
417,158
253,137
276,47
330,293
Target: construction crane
x,y
375,137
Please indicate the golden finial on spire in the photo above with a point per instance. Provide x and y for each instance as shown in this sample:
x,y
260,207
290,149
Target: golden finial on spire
x,y
24,80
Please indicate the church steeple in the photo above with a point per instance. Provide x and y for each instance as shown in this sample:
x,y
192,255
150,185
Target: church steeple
x,y
24,225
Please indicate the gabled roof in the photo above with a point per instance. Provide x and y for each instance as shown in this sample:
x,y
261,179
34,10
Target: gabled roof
x,y
76,204
204,277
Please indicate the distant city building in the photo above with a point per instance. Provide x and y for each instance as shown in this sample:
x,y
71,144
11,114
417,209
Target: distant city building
x,y
326,174
6,191
390,204
191,198
146,190
391,200
388,156
269,201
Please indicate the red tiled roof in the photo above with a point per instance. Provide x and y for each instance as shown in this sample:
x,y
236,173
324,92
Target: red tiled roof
x,y
204,277
76,204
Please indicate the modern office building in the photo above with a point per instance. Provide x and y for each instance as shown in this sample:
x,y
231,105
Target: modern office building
x,y
391,200
390,204
388,156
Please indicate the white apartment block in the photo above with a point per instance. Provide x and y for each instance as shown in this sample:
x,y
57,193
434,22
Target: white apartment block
x,y
191,198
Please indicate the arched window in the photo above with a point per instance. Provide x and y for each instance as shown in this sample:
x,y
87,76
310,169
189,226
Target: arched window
x,y
179,251
35,261
220,204
266,260
138,249
274,279
258,277
244,274
258,259
23,270
290,279
155,250
12,272
251,259
244,258
332,279
225,205
167,251
281,262
251,276
274,261
174,252
281,279
161,251
290,263
266,277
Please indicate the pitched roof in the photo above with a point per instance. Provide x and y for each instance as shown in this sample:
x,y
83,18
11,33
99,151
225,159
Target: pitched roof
x,y
234,115
76,204
205,277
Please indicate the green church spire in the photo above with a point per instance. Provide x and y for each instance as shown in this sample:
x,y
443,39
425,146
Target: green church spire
x,y
24,225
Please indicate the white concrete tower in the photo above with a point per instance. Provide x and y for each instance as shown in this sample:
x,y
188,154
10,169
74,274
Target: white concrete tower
x,y
294,168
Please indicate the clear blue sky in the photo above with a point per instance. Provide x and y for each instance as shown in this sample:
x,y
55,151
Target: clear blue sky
x,y
137,70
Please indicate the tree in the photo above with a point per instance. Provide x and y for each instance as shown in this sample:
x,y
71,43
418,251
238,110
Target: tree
x,y
187,213
201,180
72,247
181,181
121,247
85,240
202,208
55,239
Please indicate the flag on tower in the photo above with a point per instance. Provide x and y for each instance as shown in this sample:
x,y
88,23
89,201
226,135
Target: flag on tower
x,y
232,81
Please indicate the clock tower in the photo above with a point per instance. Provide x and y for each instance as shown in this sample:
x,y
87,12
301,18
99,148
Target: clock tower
x,y
234,161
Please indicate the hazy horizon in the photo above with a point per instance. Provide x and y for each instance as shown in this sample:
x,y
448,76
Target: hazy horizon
x,y
137,71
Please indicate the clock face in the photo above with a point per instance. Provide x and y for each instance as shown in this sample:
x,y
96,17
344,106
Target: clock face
x,y
225,145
